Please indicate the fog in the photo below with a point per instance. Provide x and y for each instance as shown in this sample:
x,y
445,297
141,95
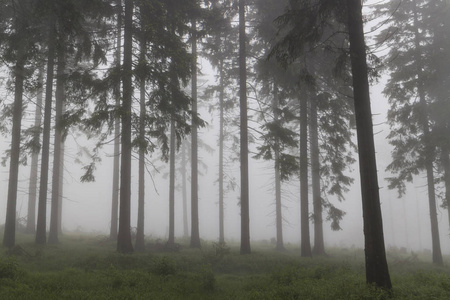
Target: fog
x,y
87,206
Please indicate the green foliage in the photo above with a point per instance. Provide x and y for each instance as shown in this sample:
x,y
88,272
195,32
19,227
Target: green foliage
x,y
9,268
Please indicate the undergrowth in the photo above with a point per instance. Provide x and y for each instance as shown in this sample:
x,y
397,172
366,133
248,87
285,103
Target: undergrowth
x,y
88,267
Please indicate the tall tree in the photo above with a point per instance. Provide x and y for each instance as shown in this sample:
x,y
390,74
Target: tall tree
x,y
376,265
124,244
245,209
116,163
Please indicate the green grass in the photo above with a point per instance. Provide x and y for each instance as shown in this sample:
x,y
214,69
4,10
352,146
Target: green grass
x,y
88,267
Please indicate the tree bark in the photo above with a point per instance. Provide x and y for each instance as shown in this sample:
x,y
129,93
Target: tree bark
x,y
116,163
305,247
171,239
375,254
319,245
124,244
221,164
278,204
140,243
195,235
34,165
9,237
59,95
245,210
41,236
184,189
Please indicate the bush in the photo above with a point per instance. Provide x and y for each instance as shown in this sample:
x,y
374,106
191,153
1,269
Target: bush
x,y
9,268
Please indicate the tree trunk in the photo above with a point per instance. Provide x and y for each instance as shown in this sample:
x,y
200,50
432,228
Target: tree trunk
x,y
429,147
32,190
61,181
446,166
171,240
376,265
116,166
124,244
319,246
245,210
184,189
41,237
278,205
59,95
9,237
305,247
195,235
221,165
140,243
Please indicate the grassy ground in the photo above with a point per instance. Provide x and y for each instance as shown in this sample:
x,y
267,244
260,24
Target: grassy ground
x,y
88,267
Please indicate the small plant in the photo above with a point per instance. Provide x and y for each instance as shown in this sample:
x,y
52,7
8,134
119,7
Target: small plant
x,y
221,249
9,268
165,267
208,279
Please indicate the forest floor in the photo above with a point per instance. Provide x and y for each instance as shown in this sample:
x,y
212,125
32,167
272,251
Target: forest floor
x,y
83,266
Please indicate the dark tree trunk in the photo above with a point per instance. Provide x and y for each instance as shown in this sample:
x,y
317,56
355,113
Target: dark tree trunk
x,y
446,166
124,244
195,235
61,181
116,166
140,243
41,237
9,237
376,265
245,209
221,140
184,189
32,190
305,247
171,240
428,145
278,205
319,246
59,95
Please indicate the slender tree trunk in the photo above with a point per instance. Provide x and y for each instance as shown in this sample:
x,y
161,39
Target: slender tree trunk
x,y
446,166
116,166
140,243
59,95
124,244
376,265
184,189
305,247
429,147
195,235
32,190
41,236
221,165
61,185
319,246
245,209
278,205
171,240
9,237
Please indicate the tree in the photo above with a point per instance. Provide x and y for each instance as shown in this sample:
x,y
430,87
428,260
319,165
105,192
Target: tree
x,y
124,244
376,265
245,209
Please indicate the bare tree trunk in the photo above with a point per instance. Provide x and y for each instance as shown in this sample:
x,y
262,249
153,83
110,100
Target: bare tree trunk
x,y
429,148
124,244
278,205
41,236
376,265
221,165
60,91
245,209
32,190
171,239
184,189
195,235
319,245
305,247
9,237
116,166
61,184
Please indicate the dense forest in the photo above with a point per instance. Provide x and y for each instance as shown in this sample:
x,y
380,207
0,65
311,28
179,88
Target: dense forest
x,y
184,98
